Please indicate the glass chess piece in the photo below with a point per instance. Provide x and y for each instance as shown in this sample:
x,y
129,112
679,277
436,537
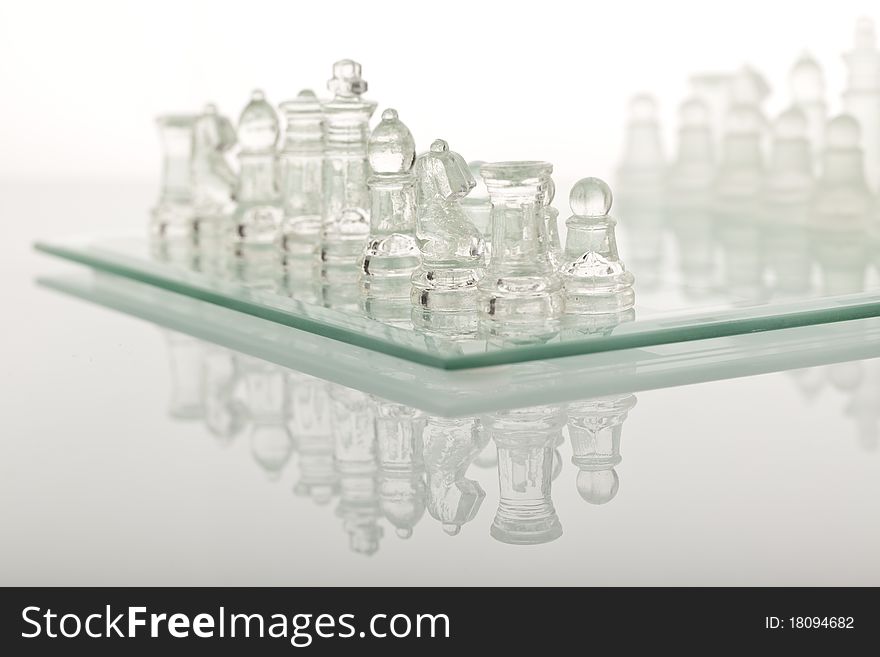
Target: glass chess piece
x,y
640,186
257,217
310,425
689,196
226,415
551,226
788,187
450,445
355,450
594,428
807,84
402,489
391,254
213,179
526,439
186,357
841,206
595,279
300,171
346,213
477,206
748,86
267,401
444,287
172,217
713,88
861,97
520,294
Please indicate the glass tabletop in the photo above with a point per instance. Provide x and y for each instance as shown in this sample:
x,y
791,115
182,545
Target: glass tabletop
x,y
728,288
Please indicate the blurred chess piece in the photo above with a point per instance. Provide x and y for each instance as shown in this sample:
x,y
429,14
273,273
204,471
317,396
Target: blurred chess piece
x,y
187,359
311,427
257,217
521,295
594,277
346,212
713,89
689,196
267,400
444,287
861,98
213,179
737,195
402,490
841,207
478,207
807,85
640,183
788,189
594,427
172,217
391,254
449,447
355,450
300,171
226,415
526,439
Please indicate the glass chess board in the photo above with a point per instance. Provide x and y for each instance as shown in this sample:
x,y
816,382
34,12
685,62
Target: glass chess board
x,y
673,305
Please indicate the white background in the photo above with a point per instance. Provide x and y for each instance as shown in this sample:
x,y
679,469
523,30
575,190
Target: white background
x,y
80,82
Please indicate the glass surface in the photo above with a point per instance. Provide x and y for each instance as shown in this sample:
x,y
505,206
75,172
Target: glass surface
x,y
670,308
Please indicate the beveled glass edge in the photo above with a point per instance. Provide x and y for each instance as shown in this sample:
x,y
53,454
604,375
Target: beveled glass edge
x,y
646,333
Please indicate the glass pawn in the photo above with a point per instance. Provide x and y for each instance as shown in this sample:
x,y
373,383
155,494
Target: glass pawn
x,y
444,287
526,439
521,293
300,164
310,424
346,211
267,400
594,428
807,84
861,97
213,179
450,445
595,279
257,218
172,217
391,254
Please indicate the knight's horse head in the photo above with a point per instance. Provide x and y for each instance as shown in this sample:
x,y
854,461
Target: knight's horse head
x,y
442,174
212,133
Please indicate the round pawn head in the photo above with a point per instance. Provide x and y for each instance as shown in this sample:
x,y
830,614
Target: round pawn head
x,y
597,486
807,82
643,109
843,132
347,81
590,197
392,148
258,125
791,124
865,34
694,113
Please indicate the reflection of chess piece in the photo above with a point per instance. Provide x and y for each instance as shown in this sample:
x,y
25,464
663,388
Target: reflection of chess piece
x,y
267,401
401,468
450,445
444,287
640,180
861,99
788,187
526,440
258,215
186,357
213,180
595,279
478,207
809,380
864,407
172,218
310,425
594,427
841,206
300,163
346,218
225,414
521,292
391,254
808,95
354,435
